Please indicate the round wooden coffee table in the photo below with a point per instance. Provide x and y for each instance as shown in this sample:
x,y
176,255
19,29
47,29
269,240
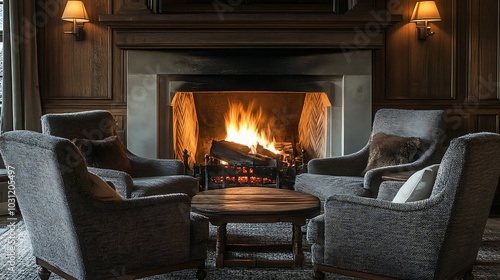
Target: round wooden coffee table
x,y
256,205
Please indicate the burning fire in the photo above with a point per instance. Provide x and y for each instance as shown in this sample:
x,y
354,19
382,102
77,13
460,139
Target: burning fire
x,y
245,126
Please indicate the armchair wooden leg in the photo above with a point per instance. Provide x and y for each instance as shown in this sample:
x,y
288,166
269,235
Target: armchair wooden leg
x,y
201,273
318,275
43,273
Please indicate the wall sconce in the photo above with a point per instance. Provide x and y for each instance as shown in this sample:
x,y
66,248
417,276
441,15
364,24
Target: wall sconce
x,y
424,12
75,12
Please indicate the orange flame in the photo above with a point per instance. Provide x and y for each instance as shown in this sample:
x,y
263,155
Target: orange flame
x,y
244,126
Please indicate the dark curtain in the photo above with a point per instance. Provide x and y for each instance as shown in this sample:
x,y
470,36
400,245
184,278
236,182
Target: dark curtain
x,y
21,108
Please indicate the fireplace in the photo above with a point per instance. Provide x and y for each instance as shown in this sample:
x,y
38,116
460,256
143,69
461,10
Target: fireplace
x,y
283,120
317,100
336,59
248,137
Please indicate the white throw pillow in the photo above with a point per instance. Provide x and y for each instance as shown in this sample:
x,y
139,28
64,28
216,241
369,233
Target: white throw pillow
x,y
101,190
418,186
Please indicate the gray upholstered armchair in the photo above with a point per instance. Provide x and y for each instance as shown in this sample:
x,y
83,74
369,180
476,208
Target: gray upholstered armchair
x,y
345,174
434,238
80,237
147,176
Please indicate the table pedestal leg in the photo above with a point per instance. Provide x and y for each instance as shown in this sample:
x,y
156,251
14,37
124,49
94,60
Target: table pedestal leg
x,y
298,254
221,245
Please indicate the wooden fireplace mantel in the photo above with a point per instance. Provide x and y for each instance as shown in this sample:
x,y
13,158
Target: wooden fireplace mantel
x,y
250,25
372,21
250,30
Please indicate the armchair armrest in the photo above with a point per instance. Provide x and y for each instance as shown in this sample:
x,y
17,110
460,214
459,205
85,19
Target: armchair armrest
x,y
316,238
121,180
199,236
379,231
149,204
147,167
373,178
199,228
316,230
384,218
128,233
348,165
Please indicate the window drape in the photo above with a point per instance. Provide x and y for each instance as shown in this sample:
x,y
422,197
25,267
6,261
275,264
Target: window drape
x,y
21,108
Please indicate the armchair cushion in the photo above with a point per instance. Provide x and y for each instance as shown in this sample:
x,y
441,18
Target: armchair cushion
x,y
101,190
386,149
418,186
107,153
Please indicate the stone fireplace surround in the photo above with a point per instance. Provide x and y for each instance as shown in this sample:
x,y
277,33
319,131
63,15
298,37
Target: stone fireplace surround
x,y
154,77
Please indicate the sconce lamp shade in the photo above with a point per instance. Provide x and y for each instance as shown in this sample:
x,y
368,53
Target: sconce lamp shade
x,y
425,11
75,11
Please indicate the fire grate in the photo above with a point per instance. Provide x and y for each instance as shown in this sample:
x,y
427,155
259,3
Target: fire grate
x,y
216,174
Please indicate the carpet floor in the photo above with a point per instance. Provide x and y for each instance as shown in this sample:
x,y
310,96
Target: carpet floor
x,y
487,265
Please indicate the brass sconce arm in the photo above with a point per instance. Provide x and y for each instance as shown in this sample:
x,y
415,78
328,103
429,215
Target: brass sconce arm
x,y
75,12
424,12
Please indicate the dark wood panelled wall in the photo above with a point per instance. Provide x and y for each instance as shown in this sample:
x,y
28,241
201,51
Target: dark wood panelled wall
x,y
457,69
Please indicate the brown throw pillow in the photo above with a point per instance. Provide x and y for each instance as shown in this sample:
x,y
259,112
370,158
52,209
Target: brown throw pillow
x,y
108,153
388,150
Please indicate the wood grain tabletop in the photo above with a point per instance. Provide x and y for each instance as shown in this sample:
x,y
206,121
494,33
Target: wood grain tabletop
x,y
254,201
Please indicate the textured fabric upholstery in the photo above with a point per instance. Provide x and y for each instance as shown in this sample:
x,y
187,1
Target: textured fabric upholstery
x,y
88,238
100,124
434,238
121,180
145,186
427,125
198,236
327,185
389,189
